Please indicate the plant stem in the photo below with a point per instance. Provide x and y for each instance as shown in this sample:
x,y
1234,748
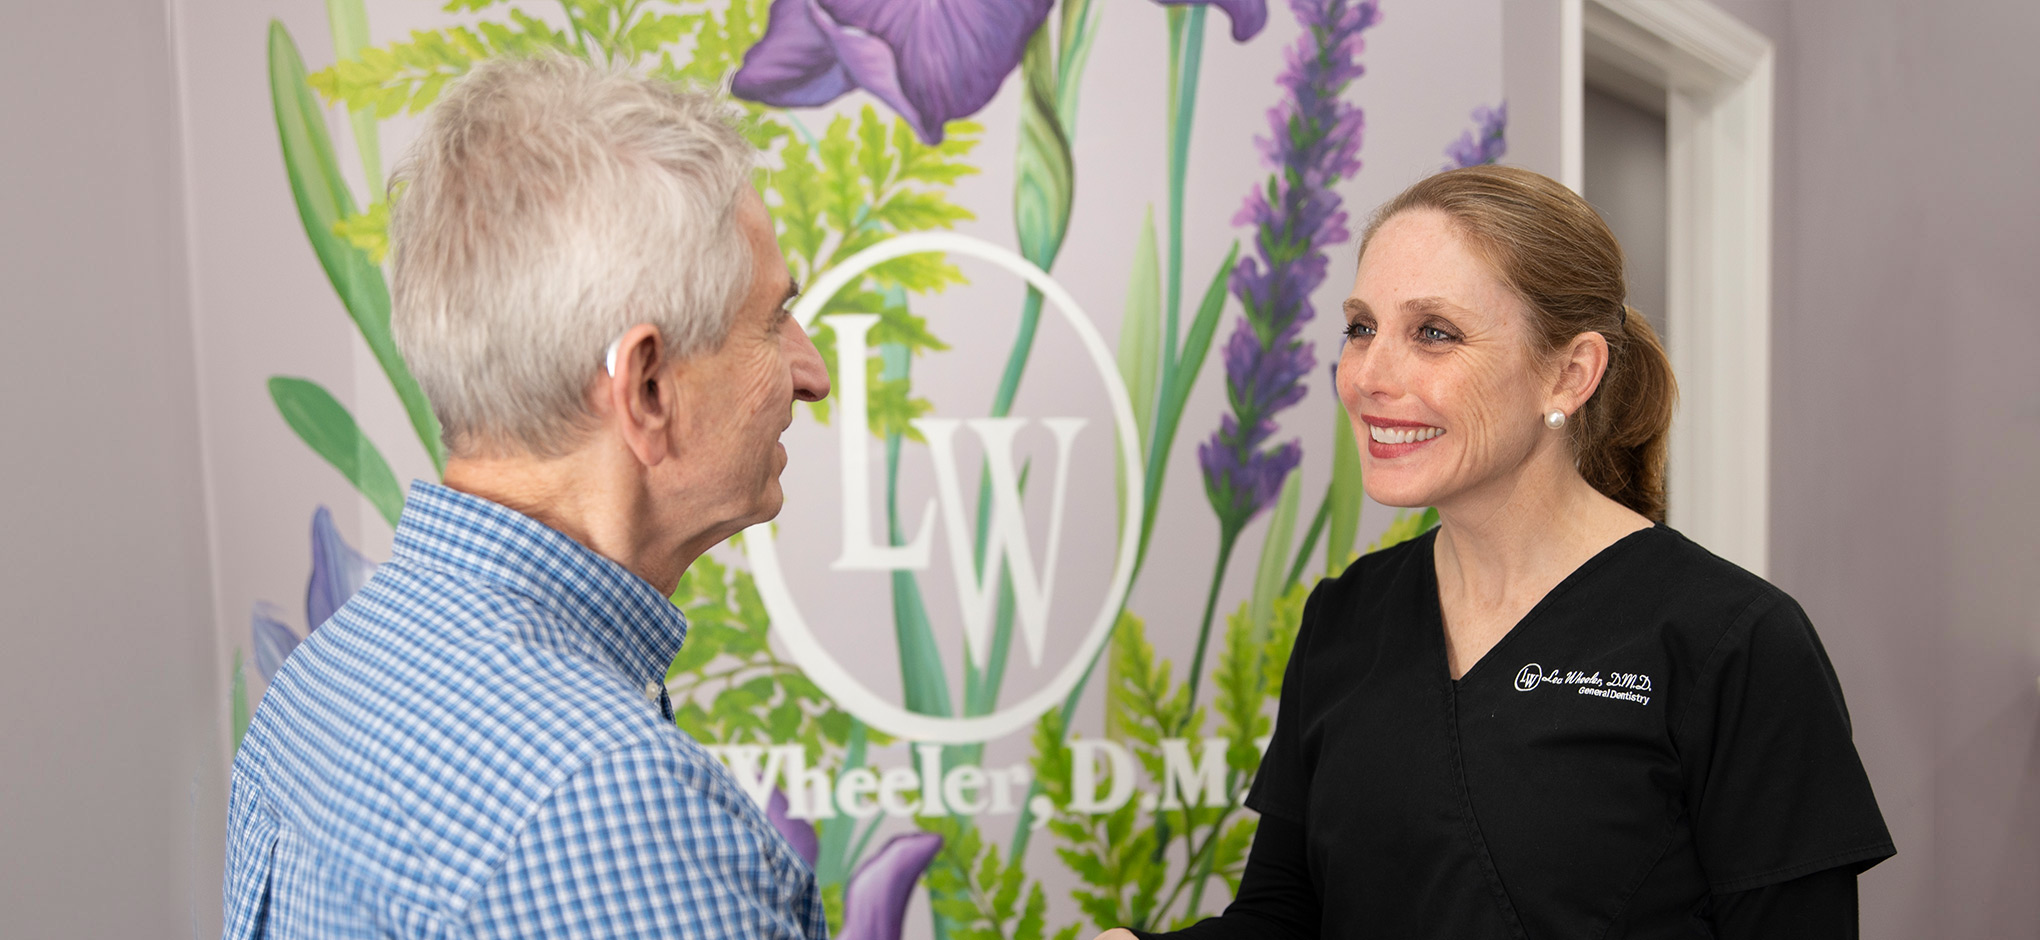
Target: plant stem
x,y
1186,46
1186,52
1226,540
1197,869
580,40
1317,528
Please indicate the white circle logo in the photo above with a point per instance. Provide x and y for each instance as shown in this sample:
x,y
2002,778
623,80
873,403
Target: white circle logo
x,y
787,620
1529,677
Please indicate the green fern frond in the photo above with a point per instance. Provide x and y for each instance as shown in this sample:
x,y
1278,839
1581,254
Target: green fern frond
x,y
407,75
368,231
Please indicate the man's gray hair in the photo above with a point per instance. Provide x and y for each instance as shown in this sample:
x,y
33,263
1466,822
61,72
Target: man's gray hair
x,y
548,206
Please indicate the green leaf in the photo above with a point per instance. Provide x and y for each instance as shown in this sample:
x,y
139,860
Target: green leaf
x,y
925,682
1404,527
322,202
1269,577
1140,345
407,75
1203,327
652,31
1281,638
324,424
1079,27
1345,495
369,231
1229,859
1044,173
237,701
909,211
1178,379
891,409
1238,679
349,21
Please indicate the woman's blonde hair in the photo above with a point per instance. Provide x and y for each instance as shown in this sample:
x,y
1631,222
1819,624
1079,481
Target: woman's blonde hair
x,y
1558,255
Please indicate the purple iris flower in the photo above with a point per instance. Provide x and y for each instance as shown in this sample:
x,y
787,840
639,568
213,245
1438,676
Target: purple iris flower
x,y
875,902
1248,16
932,61
337,572
1313,143
1486,142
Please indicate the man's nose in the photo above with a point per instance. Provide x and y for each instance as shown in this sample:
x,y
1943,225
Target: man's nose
x,y
810,375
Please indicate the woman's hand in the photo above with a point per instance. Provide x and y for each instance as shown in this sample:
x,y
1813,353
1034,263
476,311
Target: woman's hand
x,y
1117,933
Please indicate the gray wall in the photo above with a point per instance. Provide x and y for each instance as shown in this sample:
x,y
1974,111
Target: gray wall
x,y
1625,165
111,707
1906,429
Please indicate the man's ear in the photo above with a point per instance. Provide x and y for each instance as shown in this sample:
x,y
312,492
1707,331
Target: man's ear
x,y
1581,363
641,401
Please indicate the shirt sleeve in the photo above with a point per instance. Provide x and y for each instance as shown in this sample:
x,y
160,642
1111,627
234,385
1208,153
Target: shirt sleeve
x,y
1774,784
1282,783
1820,906
1277,899
643,843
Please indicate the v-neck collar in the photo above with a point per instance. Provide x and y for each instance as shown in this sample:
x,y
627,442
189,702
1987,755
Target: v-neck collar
x,y
1436,605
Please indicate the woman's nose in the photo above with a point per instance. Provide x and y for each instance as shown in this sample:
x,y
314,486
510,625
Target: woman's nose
x,y
1373,371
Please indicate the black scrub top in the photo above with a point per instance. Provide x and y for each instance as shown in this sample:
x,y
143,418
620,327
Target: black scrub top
x,y
1661,728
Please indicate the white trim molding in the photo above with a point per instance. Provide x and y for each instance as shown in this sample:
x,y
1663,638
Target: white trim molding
x,y
1718,77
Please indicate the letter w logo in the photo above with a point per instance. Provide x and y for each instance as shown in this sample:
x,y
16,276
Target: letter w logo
x,y
1006,540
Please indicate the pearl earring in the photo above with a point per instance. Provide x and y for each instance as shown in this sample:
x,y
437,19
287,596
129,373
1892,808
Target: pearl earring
x,y
1555,420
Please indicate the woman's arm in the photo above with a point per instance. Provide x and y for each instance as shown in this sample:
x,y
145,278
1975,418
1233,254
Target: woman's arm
x,y
1820,906
1276,901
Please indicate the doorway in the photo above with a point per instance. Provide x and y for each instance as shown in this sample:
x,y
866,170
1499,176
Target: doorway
x,y
1708,77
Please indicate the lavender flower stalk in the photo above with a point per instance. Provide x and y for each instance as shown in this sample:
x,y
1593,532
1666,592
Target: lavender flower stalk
x,y
1485,143
1314,142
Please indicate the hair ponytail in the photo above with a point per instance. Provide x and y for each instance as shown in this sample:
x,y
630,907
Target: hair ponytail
x,y
1620,435
1557,253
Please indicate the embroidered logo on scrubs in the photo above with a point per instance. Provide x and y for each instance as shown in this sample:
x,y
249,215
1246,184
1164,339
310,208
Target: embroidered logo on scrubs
x,y
1620,686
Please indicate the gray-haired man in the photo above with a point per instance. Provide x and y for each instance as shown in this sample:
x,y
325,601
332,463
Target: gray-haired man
x,y
587,287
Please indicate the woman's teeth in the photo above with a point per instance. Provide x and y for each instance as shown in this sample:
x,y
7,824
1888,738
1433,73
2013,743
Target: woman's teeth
x,y
1383,435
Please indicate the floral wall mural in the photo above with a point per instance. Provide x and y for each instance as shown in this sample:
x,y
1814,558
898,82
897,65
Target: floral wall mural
x,y
1210,184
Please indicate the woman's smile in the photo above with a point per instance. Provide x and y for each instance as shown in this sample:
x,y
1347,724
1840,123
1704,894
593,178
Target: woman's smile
x,y
1389,437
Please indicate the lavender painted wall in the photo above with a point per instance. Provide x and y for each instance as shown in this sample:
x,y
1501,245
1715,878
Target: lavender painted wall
x,y
1906,428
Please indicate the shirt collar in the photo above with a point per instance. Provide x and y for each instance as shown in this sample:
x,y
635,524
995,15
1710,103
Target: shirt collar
x,y
627,619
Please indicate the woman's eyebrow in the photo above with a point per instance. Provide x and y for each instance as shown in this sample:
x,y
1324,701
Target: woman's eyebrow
x,y
1432,305
1355,307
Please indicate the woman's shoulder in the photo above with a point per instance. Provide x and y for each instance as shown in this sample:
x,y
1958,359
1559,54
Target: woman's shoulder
x,y
1375,570
1381,577
1684,568
1712,603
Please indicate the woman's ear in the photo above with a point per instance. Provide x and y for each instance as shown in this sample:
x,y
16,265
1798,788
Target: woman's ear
x,y
1582,363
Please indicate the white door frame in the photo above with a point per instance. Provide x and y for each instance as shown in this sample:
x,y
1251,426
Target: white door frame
x,y
1717,75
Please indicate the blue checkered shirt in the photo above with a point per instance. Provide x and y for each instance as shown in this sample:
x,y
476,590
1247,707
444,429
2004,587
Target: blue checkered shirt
x,y
466,749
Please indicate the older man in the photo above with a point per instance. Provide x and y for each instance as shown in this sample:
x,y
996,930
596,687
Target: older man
x,y
478,744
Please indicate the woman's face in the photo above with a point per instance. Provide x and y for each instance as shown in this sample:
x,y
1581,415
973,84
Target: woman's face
x,y
1437,373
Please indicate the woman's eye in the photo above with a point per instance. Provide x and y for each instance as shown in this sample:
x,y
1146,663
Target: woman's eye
x,y
1358,331
1432,334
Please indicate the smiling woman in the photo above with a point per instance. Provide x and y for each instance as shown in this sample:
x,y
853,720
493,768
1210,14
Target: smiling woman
x,y
1529,247
1574,721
